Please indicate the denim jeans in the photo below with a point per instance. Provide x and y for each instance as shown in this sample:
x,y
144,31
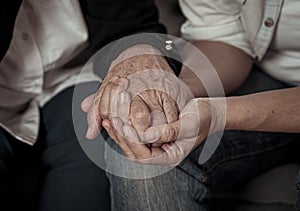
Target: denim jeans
x,y
240,156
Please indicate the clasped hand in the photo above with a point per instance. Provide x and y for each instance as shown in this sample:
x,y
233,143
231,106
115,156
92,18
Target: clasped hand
x,y
150,114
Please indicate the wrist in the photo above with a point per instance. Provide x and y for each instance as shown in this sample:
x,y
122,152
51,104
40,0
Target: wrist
x,y
163,43
131,62
135,51
240,114
214,112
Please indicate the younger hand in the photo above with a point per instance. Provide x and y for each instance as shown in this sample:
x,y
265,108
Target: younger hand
x,y
176,139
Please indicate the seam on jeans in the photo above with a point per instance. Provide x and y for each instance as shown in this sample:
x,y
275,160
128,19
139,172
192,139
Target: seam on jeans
x,y
147,193
176,190
197,166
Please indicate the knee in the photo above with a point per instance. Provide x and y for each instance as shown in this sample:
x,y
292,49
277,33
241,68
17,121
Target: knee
x,y
173,190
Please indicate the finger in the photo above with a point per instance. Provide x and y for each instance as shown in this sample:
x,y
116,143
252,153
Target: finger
x,y
124,100
144,154
119,85
87,103
102,97
158,118
104,100
139,116
174,153
94,117
160,101
162,133
170,108
108,100
99,93
94,123
185,128
140,150
168,155
152,99
115,132
167,146
106,123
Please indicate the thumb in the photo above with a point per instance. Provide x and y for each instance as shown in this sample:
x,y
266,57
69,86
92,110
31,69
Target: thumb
x,y
87,103
185,128
163,133
94,123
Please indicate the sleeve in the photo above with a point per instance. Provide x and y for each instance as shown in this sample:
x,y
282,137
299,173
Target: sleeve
x,y
109,20
8,14
218,20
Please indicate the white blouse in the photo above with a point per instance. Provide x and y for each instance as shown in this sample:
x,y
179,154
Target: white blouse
x,y
267,30
47,35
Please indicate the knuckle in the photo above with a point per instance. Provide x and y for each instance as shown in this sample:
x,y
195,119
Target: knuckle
x,y
172,134
171,116
103,113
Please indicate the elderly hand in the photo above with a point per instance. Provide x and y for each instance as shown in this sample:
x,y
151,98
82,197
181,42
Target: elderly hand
x,y
133,60
157,97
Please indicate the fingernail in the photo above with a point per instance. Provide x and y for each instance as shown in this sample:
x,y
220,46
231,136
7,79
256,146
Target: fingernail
x,y
122,97
151,135
106,126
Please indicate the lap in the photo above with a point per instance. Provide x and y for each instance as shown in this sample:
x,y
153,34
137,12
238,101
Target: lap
x,y
236,160
243,155
71,180
171,190
239,157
